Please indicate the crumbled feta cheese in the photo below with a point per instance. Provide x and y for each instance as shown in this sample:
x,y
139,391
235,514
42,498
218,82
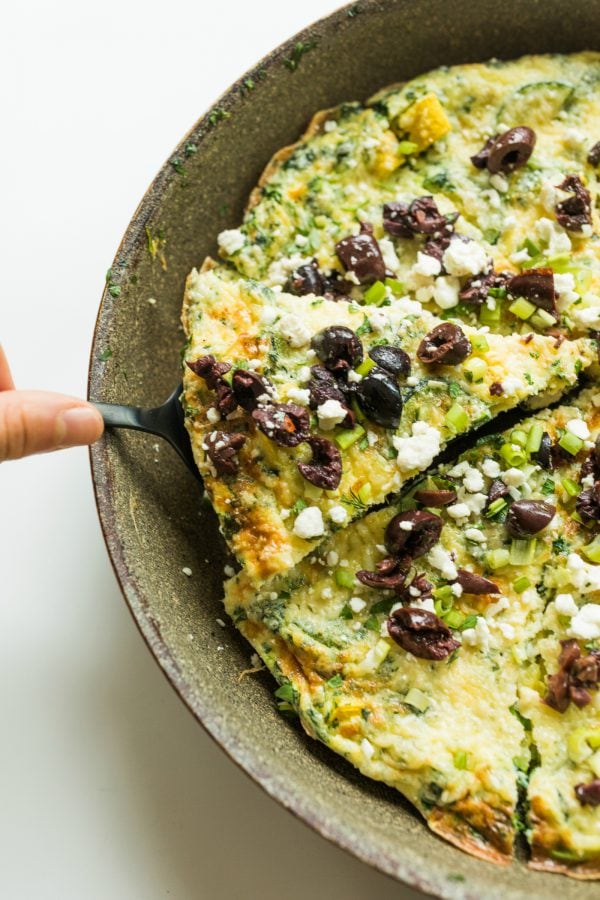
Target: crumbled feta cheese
x,y
333,558
585,625
499,182
441,560
187,571
284,513
494,608
475,502
356,604
329,125
301,240
213,415
268,315
419,450
281,269
475,535
229,571
426,265
412,381
372,438
367,748
556,240
445,292
457,589
548,197
479,636
458,511
378,319
464,257
294,330
564,285
512,385
231,240
327,593
337,514
579,428
330,414
406,526
490,468
513,477
459,470
507,630
389,255
565,605
582,575
519,256
309,523
299,395
588,481
473,481
354,377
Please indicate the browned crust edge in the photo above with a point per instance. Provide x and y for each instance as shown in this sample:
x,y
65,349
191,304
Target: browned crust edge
x,y
583,871
457,831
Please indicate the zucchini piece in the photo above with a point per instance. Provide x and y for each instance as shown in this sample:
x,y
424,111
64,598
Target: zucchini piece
x,y
535,104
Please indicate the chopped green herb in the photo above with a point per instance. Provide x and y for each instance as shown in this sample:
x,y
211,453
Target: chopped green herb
x,y
300,48
106,354
298,506
190,149
217,115
548,487
346,612
372,623
560,546
178,165
336,681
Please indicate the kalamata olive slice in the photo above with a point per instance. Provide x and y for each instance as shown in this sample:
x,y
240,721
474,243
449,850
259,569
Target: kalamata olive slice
x,y
360,254
480,159
543,455
527,517
588,503
338,347
248,387
413,533
593,156
287,424
209,369
475,584
306,279
226,399
588,794
390,575
421,633
497,490
475,290
434,498
537,286
575,677
323,387
325,468
511,150
445,345
392,359
496,389
420,217
222,448
576,211
379,397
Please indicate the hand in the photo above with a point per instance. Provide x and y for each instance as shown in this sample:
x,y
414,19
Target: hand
x,y
39,421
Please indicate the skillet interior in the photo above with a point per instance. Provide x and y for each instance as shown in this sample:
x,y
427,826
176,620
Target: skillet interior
x,y
152,519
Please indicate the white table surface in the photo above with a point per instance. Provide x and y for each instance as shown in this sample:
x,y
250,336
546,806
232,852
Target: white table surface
x,y
109,788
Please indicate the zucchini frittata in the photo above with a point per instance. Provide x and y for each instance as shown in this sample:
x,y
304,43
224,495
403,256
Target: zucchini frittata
x,y
406,272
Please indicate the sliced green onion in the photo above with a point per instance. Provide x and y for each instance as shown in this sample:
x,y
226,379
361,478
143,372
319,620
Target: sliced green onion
x,y
346,438
495,507
521,763
460,759
475,369
561,264
582,742
454,618
498,293
469,622
534,438
335,681
285,692
479,342
444,592
366,366
344,578
518,437
522,552
531,248
513,455
456,418
407,147
571,443
417,699
570,486
442,607
521,584
542,319
365,493
489,316
395,286
522,308
376,294
592,551
497,559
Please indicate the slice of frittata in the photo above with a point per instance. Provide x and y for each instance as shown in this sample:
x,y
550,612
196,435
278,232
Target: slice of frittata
x,y
303,411
478,183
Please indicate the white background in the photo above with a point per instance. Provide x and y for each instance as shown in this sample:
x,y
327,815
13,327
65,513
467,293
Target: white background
x,y
109,788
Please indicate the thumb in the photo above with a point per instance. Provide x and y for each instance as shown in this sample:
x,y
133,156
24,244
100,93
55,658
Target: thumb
x,y
39,421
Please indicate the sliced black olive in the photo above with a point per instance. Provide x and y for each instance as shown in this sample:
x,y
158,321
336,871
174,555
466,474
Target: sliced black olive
x,y
325,468
445,345
537,286
306,279
543,456
420,217
287,424
360,253
392,359
379,397
222,448
338,347
435,498
593,156
527,517
511,150
421,633
248,387
475,584
576,211
413,533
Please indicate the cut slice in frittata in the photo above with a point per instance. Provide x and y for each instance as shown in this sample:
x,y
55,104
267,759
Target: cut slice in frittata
x,y
478,182
450,645
303,411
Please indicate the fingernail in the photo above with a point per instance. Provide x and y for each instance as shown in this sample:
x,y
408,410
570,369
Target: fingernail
x,y
79,425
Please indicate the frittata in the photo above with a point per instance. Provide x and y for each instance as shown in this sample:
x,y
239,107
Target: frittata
x,y
409,270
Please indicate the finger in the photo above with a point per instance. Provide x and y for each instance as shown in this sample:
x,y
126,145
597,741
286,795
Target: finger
x,y
39,421
6,380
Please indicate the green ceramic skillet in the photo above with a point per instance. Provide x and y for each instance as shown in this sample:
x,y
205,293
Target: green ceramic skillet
x,y
153,519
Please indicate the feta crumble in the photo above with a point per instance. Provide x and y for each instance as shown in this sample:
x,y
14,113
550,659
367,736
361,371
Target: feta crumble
x,y
299,395
565,605
579,428
584,576
231,240
338,514
309,523
419,450
585,624
330,414
294,330
441,560
464,258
